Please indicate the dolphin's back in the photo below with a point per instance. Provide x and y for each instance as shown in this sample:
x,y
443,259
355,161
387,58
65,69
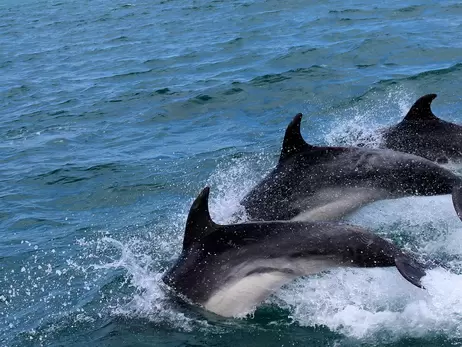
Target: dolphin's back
x,y
424,134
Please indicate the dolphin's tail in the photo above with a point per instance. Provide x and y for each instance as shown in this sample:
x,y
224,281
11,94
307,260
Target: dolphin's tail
x,y
457,199
410,269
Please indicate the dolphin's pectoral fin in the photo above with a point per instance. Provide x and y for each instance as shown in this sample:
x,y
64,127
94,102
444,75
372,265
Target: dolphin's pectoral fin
x,y
335,203
457,199
410,269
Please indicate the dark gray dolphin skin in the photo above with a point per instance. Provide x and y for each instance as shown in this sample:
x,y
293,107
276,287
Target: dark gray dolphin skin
x,y
424,134
326,183
229,269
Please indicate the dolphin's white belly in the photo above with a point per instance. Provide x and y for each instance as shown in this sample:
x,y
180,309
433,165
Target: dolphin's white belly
x,y
243,292
238,298
336,202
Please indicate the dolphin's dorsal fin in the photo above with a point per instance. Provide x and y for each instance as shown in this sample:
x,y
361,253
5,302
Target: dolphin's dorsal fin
x,y
293,141
421,110
199,223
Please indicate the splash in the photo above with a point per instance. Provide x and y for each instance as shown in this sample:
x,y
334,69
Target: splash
x,y
360,124
143,260
150,300
231,181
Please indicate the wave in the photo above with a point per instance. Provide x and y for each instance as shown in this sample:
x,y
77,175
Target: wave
x,y
73,174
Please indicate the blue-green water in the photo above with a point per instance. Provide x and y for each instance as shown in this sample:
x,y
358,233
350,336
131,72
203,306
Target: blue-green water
x,y
115,114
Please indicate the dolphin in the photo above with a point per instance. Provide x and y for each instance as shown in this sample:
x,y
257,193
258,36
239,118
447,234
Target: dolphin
x,y
230,269
424,134
327,183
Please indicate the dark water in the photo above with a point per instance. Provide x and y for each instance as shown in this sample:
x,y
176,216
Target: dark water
x,y
115,114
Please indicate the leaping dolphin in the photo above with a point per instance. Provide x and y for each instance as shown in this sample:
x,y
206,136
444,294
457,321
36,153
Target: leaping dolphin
x,y
229,269
424,134
326,183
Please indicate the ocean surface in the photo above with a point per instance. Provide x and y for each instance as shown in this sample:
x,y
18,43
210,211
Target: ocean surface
x,y
114,114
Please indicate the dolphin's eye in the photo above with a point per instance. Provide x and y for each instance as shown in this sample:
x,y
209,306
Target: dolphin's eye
x,y
442,160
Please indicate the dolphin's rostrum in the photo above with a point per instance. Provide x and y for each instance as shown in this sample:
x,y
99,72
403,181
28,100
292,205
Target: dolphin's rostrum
x,y
229,269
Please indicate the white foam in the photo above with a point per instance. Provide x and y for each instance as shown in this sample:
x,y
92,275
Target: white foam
x,y
369,303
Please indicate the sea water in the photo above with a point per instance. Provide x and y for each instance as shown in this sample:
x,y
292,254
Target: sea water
x,y
115,114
